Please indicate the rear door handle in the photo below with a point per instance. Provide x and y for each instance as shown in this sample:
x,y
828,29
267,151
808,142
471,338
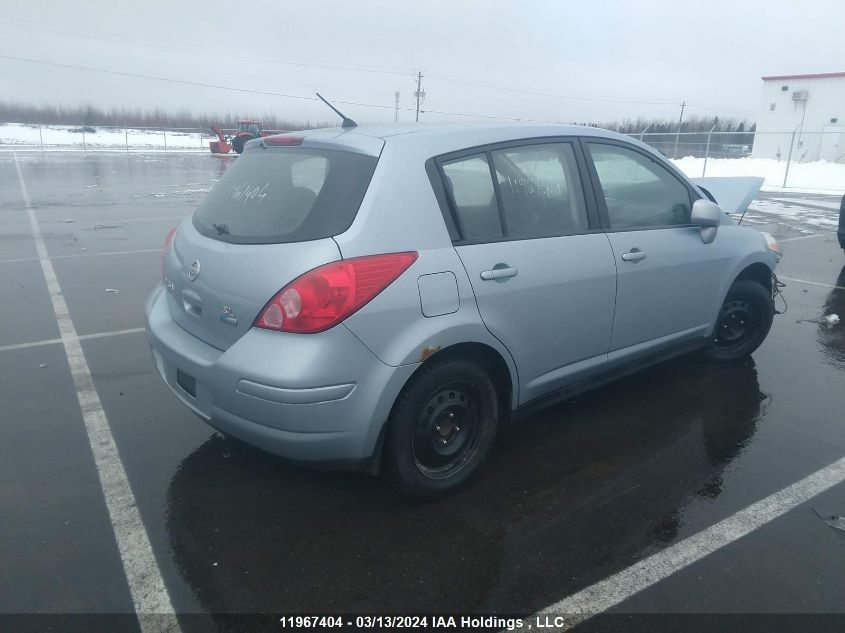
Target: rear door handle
x,y
499,273
634,255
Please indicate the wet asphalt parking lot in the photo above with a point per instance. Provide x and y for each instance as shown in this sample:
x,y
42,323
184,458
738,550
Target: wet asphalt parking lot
x,y
574,495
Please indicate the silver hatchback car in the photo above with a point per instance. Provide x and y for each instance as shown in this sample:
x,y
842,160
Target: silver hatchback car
x,y
384,297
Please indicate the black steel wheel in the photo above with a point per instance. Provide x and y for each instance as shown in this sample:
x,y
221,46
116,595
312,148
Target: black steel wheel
x,y
441,429
743,323
736,324
447,430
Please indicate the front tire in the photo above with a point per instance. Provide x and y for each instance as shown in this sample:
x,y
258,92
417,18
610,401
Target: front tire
x,y
441,429
743,324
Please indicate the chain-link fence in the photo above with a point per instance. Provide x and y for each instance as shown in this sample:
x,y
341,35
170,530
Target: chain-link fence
x,y
806,145
787,146
784,146
700,145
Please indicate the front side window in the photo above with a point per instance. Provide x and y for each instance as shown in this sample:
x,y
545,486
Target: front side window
x,y
541,191
638,191
470,185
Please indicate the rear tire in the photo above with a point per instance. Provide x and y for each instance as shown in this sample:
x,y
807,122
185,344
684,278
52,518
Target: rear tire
x,y
441,429
238,143
743,323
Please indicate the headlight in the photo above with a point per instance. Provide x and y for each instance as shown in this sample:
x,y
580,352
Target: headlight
x,y
772,244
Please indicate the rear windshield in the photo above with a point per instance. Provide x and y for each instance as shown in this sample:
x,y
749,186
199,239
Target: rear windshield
x,y
286,195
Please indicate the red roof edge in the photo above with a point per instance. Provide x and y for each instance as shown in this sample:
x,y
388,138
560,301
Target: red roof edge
x,y
810,76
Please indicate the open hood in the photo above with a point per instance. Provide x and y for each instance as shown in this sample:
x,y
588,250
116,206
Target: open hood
x,y
733,193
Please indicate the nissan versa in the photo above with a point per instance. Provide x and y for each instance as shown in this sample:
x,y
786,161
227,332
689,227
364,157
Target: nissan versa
x,y
385,297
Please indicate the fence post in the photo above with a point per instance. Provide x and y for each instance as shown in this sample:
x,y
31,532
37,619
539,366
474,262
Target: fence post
x,y
126,137
707,150
84,144
165,139
200,139
40,139
789,157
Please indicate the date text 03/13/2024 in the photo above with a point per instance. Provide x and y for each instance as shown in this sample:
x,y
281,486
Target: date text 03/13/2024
x,y
434,623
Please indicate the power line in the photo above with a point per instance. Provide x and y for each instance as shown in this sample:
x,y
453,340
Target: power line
x,y
216,52
557,95
270,93
260,92
233,54
544,93
189,83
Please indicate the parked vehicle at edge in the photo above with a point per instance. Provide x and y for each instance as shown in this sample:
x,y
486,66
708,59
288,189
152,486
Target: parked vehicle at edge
x,y
840,233
248,129
384,298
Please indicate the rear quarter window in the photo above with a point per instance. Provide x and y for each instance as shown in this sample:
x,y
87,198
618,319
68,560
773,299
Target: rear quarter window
x,y
286,195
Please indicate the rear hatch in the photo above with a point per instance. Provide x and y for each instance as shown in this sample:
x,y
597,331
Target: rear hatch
x,y
268,220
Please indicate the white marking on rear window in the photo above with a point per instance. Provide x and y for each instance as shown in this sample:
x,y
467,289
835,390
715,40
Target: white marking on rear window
x,y
246,192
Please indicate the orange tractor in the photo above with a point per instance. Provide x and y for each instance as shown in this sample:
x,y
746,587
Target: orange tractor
x,y
248,129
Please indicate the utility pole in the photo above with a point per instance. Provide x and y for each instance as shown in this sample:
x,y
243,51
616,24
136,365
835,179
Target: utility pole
x,y
801,127
419,95
707,149
789,158
678,133
396,109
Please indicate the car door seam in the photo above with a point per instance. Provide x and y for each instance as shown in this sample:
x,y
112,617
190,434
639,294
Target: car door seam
x,y
486,327
615,293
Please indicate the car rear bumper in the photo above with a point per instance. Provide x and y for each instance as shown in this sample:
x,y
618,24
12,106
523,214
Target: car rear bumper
x,y
311,397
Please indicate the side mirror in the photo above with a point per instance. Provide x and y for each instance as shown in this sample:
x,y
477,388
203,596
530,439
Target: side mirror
x,y
707,216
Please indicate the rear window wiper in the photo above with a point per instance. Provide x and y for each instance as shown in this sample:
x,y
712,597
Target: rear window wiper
x,y
222,229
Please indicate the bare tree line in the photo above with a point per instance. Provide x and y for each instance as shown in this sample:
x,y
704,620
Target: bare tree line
x,y
90,115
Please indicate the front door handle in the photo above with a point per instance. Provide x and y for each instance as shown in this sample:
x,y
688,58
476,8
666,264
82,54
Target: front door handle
x,y
499,273
634,255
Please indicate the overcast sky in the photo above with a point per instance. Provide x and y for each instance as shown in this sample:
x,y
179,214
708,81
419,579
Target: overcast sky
x,y
604,60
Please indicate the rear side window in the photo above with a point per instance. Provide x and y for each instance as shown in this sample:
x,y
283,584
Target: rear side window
x,y
470,184
639,192
541,191
286,195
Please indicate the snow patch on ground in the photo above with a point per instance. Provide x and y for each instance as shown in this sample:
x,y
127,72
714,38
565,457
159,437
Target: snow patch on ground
x,y
810,202
819,176
18,135
167,194
802,215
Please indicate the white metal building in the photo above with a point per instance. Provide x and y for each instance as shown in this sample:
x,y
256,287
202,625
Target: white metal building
x,y
812,106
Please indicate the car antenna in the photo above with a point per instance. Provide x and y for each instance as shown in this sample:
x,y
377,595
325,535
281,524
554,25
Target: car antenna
x,y
347,122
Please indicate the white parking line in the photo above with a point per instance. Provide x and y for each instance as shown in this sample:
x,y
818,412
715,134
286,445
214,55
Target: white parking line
x,y
36,259
146,585
92,223
612,591
82,337
812,283
804,237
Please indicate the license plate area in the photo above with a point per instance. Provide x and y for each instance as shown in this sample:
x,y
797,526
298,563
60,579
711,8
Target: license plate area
x,y
187,382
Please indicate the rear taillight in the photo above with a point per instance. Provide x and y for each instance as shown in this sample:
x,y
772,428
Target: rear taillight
x,y
325,296
168,241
